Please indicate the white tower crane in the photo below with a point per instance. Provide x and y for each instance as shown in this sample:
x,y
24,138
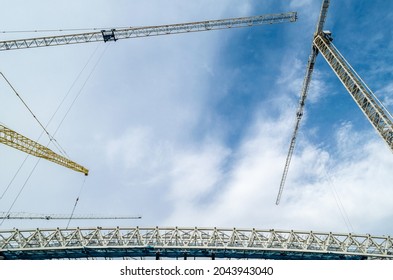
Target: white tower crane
x,y
368,103
18,141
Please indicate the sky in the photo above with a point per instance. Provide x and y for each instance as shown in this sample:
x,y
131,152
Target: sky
x,y
193,129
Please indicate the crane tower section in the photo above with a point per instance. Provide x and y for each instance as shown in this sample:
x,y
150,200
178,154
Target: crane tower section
x,y
374,110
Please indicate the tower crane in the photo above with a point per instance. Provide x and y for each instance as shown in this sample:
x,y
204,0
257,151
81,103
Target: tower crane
x,y
15,140
373,109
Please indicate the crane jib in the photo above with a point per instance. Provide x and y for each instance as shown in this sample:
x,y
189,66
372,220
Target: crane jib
x,y
137,32
18,141
380,118
109,35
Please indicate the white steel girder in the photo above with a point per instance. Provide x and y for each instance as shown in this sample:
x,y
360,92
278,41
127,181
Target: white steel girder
x,y
373,109
198,242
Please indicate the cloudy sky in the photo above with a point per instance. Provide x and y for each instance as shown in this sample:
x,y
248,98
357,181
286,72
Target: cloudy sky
x,y
194,129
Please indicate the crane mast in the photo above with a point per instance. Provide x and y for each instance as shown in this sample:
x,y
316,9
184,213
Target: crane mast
x,y
136,32
24,144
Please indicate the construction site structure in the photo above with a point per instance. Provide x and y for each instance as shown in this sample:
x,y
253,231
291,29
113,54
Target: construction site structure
x,y
32,216
20,142
373,109
147,31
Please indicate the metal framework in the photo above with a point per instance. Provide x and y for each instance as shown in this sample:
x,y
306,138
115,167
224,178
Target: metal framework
x,y
303,96
372,108
136,32
24,144
190,243
15,140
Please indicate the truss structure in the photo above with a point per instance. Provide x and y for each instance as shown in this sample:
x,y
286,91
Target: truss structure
x,y
373,109
379,117
190,242
136,32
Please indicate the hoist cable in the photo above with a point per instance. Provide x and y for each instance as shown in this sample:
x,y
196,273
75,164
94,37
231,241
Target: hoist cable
x,y
76,97
76,202
13,178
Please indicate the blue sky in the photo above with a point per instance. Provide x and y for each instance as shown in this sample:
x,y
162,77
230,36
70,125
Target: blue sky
x,y
193,129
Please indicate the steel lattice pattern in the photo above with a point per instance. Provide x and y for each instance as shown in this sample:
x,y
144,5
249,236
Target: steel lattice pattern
x,y
192,242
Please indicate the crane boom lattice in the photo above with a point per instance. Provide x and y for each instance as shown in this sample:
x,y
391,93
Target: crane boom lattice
x,y
322,16
303,97
31,216
136,32
24,144
299,115
375,112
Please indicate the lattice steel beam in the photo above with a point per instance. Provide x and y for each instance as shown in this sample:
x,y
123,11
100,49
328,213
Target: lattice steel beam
x,y
193,242
136,32
372,108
